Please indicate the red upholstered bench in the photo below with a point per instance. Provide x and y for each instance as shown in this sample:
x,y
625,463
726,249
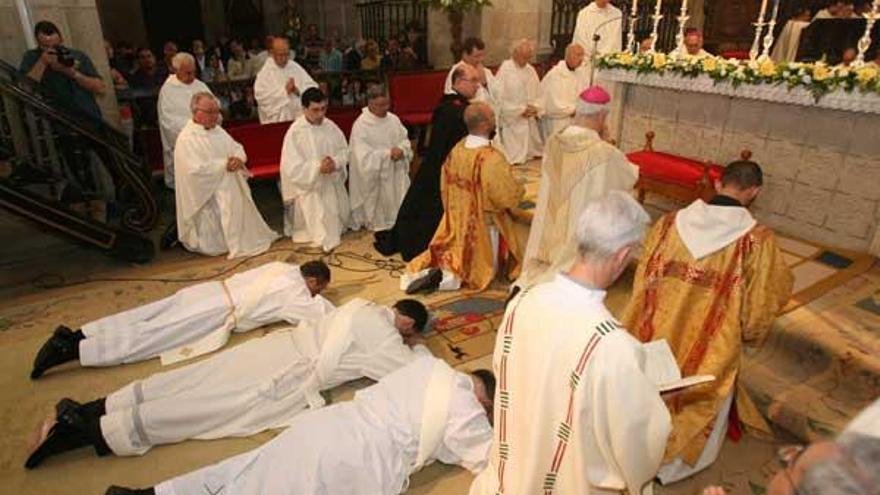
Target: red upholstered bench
x,y
737,54
673,176
262,143
415,94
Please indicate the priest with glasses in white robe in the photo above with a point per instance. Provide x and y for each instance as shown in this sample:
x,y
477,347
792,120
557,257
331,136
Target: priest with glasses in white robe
x,y
195,320
561,89
215,211
421,413
576,413
174,107
261,384
519,104
313,172
279,85
380,156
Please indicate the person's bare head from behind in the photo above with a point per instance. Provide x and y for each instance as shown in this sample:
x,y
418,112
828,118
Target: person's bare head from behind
x,y
479,119
465,81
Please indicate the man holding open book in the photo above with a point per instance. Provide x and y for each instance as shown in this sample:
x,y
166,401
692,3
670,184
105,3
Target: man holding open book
x,y
710,280
575,410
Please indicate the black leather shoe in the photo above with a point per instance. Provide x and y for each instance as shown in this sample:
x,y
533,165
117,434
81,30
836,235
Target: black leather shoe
x,y
65,435
427,284
62,346
121,490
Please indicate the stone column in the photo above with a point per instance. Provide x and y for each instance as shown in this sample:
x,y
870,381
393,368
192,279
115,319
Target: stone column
x,y
440,37
508,20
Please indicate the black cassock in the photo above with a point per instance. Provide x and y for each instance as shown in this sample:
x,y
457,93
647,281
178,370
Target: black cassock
x,y
421,209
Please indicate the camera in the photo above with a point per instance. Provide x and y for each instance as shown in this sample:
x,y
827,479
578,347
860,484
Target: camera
x,y
65,57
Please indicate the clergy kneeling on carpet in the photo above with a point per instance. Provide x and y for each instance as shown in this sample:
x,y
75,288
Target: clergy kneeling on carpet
x,y
261,384
195,320
215,211
421,413
380,156
710,279
561,89
579,166
519,103
313,172
478,190
576,411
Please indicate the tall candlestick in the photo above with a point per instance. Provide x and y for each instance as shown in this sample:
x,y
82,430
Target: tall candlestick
x,y
759,28
682,20
633,20
768,38
657,17
865,41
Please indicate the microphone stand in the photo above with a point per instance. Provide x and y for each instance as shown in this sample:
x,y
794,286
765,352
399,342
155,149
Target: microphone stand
x,y
596,38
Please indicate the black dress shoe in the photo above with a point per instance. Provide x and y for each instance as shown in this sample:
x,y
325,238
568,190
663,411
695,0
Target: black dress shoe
x,y
121,490
62,346
427,284
65,435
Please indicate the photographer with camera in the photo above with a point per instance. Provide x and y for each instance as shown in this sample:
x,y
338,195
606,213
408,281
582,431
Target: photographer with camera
x,y
67,75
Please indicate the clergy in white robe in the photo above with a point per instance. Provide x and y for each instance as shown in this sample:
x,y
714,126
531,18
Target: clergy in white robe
x,y
173,107
473,53
215,211
421,413
560,89
604,19
576,413
261,384
380,156
519,105
692,45
195,320
279,85
578,167
313,172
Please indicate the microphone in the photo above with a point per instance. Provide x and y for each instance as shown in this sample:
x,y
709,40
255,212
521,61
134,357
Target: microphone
x,y
596,38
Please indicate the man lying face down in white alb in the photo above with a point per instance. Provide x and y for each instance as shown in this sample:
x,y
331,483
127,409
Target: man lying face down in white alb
x,y
195,320
261,384
422,412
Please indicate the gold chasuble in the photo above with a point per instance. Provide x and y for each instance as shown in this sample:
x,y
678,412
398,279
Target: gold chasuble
x,y
477,189
707,308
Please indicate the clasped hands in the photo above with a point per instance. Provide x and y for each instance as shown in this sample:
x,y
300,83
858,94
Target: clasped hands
x,y
328,166
396,153
531,111
291,86
234,163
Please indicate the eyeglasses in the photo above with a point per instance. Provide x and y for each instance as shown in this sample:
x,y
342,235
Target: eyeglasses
x,y
211,111
788,457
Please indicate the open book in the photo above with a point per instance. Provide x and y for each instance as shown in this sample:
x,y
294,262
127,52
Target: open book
x,y
660,366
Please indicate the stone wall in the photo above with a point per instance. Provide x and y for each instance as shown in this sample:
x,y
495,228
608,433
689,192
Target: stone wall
x,y
123,21
822,167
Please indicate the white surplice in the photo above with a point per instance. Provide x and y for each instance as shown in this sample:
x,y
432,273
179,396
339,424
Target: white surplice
x,y
215,211
174,112
517,88
551,246
485,93
560,90
274,104
316,205
788,42
571,380
422,412
261,384
593,20
867,422
201,317
378,183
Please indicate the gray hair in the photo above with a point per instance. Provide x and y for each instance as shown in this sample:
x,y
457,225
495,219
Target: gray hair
x,y
522,43
609,224
855,470
181,58
198,97
376,91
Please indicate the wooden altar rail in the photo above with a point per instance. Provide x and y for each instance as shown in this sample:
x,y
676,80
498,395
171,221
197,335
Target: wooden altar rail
x,y
381,19
565,14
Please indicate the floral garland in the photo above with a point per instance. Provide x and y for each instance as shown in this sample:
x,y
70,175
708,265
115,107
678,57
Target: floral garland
x,y
819,78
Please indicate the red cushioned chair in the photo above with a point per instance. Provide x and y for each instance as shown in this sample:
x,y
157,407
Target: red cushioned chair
x,y
344,117
262,143
414,95
674,176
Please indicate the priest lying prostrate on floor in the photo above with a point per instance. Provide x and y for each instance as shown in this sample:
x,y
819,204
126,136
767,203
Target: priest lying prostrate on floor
x,y
215,211
710,279
478,190
313,173
423,412
195,320
255,386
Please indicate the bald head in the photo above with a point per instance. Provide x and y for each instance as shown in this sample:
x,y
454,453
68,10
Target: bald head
x,y
574,56
280,51
522,51
466,80
479,119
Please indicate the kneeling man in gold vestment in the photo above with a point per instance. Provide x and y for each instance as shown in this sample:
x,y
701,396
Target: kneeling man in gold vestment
x,y
710,280
478,189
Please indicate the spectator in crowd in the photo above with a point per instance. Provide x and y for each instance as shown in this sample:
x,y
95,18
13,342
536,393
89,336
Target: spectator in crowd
x,y
354,55
417,43
331,57
240,65
66,74
214,71
372,59
313,46
119,81
148,75
123,58
198,53
169,50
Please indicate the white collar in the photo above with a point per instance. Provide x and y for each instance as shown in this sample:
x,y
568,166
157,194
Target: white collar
x,y
705,229
473,142
571,284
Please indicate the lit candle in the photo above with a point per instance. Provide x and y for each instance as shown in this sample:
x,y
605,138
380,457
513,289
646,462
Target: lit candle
x,y
763,11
